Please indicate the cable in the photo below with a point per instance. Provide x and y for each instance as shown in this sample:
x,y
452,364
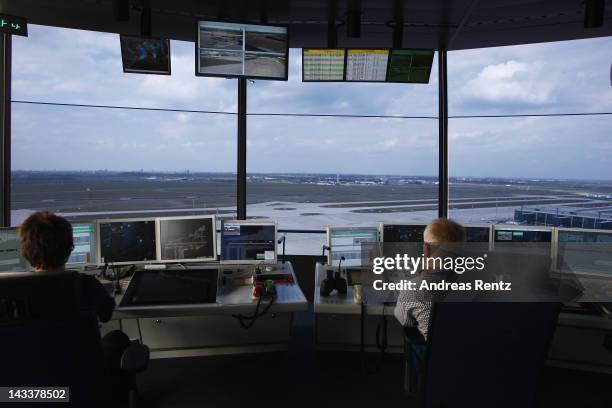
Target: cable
x,y
362,339
248,321
315,115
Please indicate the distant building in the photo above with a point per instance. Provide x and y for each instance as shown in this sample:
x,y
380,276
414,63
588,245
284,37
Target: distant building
x,y
599,216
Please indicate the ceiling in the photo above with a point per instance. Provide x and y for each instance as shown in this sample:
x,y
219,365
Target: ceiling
x,y
433,24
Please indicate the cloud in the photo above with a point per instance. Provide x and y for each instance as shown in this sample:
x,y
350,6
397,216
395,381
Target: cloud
x,y
511,81
85,67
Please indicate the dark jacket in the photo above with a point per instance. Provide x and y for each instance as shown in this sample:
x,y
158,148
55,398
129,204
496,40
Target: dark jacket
x,y
95,296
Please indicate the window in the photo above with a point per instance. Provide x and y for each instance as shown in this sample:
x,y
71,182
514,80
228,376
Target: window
x,y
93,162
518,168
338,154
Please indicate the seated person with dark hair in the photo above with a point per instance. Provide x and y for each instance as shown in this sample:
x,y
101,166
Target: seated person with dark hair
x,y
46,243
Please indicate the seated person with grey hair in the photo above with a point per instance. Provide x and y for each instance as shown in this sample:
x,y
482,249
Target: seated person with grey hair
x,y
414,307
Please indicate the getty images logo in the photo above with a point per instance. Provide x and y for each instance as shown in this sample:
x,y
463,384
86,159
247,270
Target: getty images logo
x,y
412,264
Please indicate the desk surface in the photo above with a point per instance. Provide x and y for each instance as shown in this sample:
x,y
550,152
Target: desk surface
x,y
375,304
345,304
230,300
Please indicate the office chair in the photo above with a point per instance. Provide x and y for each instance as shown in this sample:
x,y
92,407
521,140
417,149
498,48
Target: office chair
x,y
48,341
483,354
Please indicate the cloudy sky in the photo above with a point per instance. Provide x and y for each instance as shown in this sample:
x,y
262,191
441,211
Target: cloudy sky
x,y
69,66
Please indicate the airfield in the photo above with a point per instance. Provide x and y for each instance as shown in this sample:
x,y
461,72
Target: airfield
x,y
296,202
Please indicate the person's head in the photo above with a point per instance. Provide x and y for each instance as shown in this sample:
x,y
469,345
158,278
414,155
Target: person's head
x,y
46,241
439,232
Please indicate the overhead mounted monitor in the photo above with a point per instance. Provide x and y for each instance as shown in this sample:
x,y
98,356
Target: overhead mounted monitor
x,y
125,242
366,65
10,252
410,66
248,242
348,243
184,239
323,65
84,238
142,55
242,50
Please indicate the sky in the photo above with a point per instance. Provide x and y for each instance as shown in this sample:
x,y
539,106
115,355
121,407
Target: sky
x,y
72,66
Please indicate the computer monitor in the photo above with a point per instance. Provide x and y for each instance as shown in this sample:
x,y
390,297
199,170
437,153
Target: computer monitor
x,y
584,252
522,239
347,242
366,65
248,242
410,66
127,241
187,239
237,50
323,65
478,233
142,55
84,238
402,232
10,252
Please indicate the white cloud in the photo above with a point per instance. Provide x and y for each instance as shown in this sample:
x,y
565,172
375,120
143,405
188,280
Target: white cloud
x,y
511,81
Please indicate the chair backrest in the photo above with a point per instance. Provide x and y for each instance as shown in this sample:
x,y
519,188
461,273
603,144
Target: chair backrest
x,y
487,354
46,340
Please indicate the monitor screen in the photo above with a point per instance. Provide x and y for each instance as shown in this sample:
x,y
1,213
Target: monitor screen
x,y
477,234
84,238
403,233
526,235
320,65
366,65
187,239
145,55
242,50
347,243
588,252
171,287
10,252
523,241
127,241
248,242
410,66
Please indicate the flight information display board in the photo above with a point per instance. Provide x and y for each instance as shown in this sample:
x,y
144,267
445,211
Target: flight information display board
x,y
410,66
321,65
365,65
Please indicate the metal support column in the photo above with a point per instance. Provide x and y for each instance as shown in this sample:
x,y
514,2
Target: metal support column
x,y
443,136
242,149
5,130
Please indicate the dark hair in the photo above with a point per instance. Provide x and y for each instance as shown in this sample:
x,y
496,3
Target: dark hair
x,y
46,240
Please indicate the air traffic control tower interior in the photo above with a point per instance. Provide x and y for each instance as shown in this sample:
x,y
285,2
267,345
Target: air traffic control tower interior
x,y
306,203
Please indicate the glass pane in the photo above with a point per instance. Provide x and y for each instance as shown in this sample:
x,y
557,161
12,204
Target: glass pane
x,y
310,173
295,96
532,170
76,66
91,163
